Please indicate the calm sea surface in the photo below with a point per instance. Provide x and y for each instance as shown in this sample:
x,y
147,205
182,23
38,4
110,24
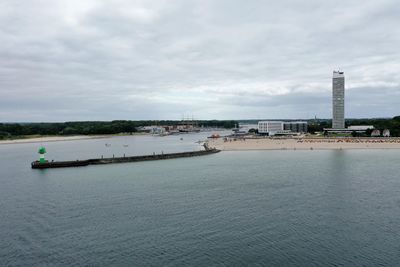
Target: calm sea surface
x,y
286,208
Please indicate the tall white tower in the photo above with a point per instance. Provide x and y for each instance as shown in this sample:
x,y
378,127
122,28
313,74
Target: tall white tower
x,y
338,100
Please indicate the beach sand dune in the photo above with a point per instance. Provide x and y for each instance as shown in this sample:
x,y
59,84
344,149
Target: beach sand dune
x,y
230,144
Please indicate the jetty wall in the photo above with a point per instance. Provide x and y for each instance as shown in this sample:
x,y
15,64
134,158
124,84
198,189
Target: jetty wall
x,y
98,161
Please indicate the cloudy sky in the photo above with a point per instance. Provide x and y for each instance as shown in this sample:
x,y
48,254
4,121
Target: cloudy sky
x,y
217,59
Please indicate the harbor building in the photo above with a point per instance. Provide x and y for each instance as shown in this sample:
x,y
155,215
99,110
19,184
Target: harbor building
x,y
338,121
296,126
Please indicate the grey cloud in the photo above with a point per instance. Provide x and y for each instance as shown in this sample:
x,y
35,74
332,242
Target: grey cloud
x,y
78,60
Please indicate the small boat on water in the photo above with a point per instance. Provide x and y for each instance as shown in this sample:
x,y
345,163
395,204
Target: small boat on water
x,y
107,145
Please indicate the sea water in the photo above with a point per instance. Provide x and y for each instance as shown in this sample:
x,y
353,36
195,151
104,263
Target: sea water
x,y
276,208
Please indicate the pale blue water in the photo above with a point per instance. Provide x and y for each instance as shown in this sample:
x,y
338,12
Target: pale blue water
x,y
274,208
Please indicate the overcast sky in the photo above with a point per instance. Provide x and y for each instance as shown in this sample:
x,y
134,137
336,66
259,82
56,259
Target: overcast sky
x,y
106,60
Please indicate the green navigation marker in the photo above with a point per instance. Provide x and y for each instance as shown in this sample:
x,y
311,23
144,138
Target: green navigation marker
x,y
42,151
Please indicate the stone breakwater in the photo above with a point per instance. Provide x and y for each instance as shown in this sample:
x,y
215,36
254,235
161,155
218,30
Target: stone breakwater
x,y
79,163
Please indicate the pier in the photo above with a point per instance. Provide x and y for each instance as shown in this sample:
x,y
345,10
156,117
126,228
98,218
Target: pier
x,y
98,161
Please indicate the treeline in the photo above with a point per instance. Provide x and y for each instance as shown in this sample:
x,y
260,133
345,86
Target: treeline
x,y
8,130
318,126
392,124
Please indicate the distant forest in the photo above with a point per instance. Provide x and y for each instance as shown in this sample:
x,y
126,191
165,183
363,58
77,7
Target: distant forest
x,y
10,130
15,130
392,124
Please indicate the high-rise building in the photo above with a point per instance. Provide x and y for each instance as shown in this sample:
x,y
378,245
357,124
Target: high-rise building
x,y
338,100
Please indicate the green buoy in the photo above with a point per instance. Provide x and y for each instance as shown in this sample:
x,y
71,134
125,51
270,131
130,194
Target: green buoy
x,y
42,151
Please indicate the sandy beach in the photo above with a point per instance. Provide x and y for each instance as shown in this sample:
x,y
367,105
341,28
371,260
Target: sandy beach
x,y
231,144
50,139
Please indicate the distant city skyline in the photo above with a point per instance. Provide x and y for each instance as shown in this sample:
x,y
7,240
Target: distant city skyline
x,y
108,60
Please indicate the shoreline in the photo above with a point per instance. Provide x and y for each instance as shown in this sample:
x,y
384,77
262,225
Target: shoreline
x,y
293,144
46,139
57,138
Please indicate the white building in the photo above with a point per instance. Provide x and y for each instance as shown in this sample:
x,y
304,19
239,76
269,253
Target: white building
x,y
360,127
376,133
243,127
157,130
386,133
270,127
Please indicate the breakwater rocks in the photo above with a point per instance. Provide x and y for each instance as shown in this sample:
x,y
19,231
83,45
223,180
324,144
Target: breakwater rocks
x,y
79,163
